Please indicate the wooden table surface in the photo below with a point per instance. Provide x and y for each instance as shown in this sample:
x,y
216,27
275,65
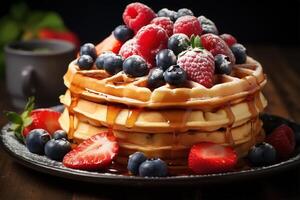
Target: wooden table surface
x,y
282,67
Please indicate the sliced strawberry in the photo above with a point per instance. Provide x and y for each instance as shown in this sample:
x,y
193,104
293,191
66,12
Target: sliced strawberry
x,y
97,152
45,119
109,44
207,158
283,140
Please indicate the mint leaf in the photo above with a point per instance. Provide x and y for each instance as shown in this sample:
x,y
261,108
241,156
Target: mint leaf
x,y
197,41
10,31
14,117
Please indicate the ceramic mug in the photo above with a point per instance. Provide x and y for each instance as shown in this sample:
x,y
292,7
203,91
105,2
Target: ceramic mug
x,y
36,68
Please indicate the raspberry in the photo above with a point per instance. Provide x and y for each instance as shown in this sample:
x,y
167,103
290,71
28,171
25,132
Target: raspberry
x,y
188,25
137,15
129,48
165,23
229,39
283,140
151,39
199,65
216,45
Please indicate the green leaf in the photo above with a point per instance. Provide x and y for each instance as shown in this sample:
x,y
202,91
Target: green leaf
x,y
18,11
14,126
30,104
51,20
33,19
197,42
10,31
27,121
14,117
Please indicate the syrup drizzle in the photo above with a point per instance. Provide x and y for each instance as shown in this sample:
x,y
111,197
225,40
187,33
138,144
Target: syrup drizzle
x,y
231,119
112,113
133,115
254,113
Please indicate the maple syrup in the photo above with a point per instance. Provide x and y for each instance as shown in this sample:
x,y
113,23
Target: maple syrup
x,y
231,119
132,117
112,113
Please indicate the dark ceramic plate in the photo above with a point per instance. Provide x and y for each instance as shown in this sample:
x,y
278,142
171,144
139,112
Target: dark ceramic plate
x,y
40,163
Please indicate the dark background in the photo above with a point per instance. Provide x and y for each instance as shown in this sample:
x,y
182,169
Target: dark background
x,y
255,22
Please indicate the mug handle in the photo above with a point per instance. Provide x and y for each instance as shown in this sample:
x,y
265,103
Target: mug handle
x,y
28,81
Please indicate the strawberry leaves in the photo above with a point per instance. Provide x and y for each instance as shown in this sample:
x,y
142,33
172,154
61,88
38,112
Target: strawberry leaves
x,y
19,122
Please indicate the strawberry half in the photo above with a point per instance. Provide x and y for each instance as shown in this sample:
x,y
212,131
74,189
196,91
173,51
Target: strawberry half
x,y
95,153
283,140
207,158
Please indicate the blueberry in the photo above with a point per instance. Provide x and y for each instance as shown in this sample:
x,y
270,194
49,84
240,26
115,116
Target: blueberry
x,y
57,149
85,62
113,63
100,59
153,168
207,25
59,134
134,162
165,58
88,49
270,122
222,64
36,140
156,78
175,75
239,52
184,12
165,12
135,66
123,33
178,42
262,154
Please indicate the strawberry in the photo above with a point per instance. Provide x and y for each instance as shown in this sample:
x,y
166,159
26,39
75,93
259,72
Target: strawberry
x,y
283,140
109,44
216,45
30,119
207,158
97,152
199,65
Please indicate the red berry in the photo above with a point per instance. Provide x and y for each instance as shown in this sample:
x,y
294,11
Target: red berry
x,y
97,152
229,39
129,48
151,39
109,44
188,25
165,23
199,65
137,15
46,119
283,140
207,158
216,45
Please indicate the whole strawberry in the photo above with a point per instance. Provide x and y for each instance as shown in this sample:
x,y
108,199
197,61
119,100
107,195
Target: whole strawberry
x,y
199,66
216,45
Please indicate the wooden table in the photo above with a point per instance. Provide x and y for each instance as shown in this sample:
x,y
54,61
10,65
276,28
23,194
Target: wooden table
x,y
283,92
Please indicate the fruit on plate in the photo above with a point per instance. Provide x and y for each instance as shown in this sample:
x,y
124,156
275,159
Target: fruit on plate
x,y
59,134
262,154
207,158
134,162
56,149
95,153
36,140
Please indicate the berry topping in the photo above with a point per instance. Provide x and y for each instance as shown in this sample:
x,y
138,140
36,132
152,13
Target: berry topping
x,y
56,149
165,23
239,52
151,39
123,33
199,65
153,168
167,13
109,44
178,42
165,58
296,129
184,12
100,59
207,25
188,25
36,140
59,134
134,162
270,122
262,154
135,66
283,140
88,49
85,62
137,15
112,63
222,64
216,45
156,78
175,75
97,152
129,48
229,39
207,158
